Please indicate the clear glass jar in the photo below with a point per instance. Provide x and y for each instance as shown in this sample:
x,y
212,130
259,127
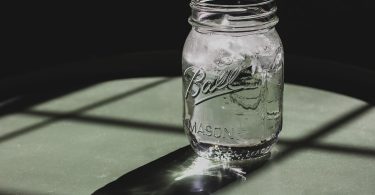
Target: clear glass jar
x,y
233,79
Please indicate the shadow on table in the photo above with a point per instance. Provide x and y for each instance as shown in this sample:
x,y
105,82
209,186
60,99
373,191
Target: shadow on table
x,y
180,172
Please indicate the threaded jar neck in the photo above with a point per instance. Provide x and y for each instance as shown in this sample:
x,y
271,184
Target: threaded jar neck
x,y
233,15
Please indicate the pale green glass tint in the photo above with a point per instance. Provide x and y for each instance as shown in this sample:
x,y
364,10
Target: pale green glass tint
x,y
233,79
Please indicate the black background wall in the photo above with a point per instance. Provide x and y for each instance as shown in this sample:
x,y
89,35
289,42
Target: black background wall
x,y
50,34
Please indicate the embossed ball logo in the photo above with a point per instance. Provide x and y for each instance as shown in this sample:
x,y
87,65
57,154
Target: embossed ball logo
x,y
231,80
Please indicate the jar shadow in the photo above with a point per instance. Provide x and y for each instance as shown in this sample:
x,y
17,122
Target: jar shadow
x,y
181,172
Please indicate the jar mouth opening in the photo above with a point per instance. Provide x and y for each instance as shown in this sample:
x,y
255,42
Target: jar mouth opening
x,y
233,15
228,4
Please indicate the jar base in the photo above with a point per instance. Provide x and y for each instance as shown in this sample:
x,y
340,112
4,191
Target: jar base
x,y
229,153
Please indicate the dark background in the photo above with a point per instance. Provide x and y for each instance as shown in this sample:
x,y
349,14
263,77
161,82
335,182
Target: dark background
x,y
49,35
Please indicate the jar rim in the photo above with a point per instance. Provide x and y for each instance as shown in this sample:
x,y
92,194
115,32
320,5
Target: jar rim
x,y
236,16
238,5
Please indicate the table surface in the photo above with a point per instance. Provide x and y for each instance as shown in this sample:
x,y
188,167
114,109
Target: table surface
x,y
84,140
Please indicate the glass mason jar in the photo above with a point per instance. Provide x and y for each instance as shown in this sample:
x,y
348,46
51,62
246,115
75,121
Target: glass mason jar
x,y
233,79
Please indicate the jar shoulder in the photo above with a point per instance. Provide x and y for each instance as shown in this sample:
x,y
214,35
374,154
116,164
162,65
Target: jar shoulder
x,y
200,47
249,42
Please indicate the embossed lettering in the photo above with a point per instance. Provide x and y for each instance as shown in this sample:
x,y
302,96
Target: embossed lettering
x,y
193,129
200,129
217,132
198,76
204,89
229,133
209,130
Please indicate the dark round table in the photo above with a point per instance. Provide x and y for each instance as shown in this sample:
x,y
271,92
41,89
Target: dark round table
x,y
125,136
